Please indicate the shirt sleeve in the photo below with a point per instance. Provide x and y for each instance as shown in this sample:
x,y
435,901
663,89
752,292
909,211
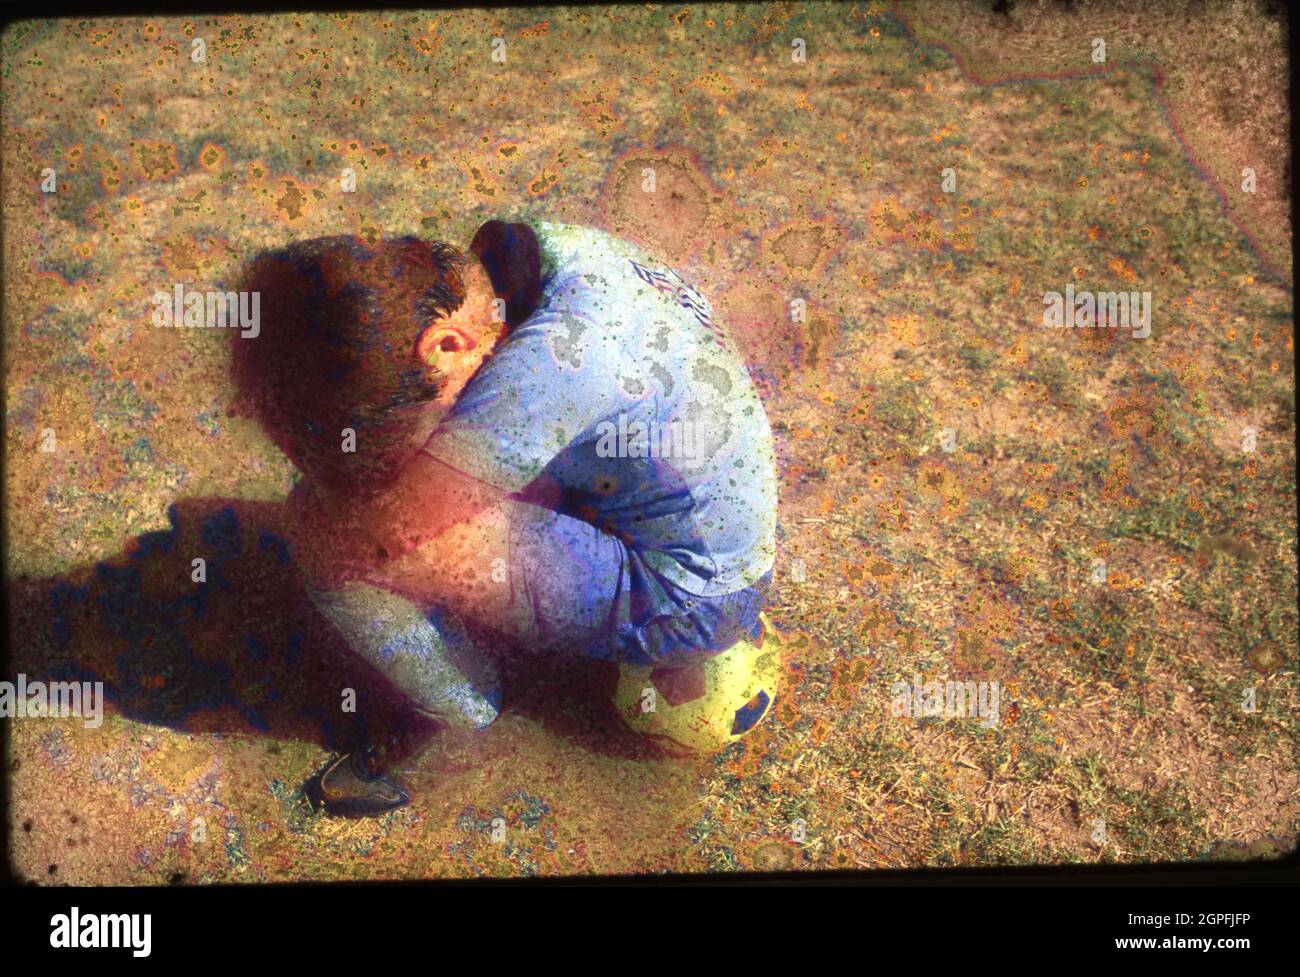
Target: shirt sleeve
x,y
548,382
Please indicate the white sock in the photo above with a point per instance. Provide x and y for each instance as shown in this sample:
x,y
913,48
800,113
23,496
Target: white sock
x,y
394,635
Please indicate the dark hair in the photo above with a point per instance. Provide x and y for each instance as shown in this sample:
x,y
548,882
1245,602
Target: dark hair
x,y
512,258
336,347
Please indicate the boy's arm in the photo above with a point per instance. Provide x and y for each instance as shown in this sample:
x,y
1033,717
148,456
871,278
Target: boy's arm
x,y
342,538
425,499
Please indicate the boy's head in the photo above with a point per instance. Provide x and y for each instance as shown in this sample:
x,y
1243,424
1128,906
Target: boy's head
x,y
375,338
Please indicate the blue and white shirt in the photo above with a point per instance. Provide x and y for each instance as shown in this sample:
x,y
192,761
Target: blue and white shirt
x,y
619,400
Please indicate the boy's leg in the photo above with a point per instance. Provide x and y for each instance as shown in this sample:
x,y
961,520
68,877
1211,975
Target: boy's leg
x,y
429,658
554,584
385,619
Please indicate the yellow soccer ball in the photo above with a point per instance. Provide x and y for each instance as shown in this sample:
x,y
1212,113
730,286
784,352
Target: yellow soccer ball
x,y
683,713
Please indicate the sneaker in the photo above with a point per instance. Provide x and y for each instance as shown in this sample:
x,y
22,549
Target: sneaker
x,y
346,789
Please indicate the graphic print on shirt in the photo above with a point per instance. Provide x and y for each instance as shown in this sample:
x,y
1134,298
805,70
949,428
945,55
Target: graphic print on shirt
x,y
682,293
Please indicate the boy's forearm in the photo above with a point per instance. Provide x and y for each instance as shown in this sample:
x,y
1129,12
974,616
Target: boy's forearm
x,y
425,499
340,538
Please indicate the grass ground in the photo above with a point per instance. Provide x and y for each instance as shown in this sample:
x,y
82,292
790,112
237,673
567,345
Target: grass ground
x,y
1122,735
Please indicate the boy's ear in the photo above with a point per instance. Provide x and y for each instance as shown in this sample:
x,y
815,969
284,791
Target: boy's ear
x,y
437,340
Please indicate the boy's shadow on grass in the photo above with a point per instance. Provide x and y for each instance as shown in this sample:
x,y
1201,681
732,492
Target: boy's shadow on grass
x,y
242,649
571,698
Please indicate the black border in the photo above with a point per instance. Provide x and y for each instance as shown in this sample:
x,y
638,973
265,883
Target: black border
x,y
1197,874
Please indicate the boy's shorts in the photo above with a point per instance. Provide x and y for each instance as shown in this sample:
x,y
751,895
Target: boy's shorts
x,y
592,595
